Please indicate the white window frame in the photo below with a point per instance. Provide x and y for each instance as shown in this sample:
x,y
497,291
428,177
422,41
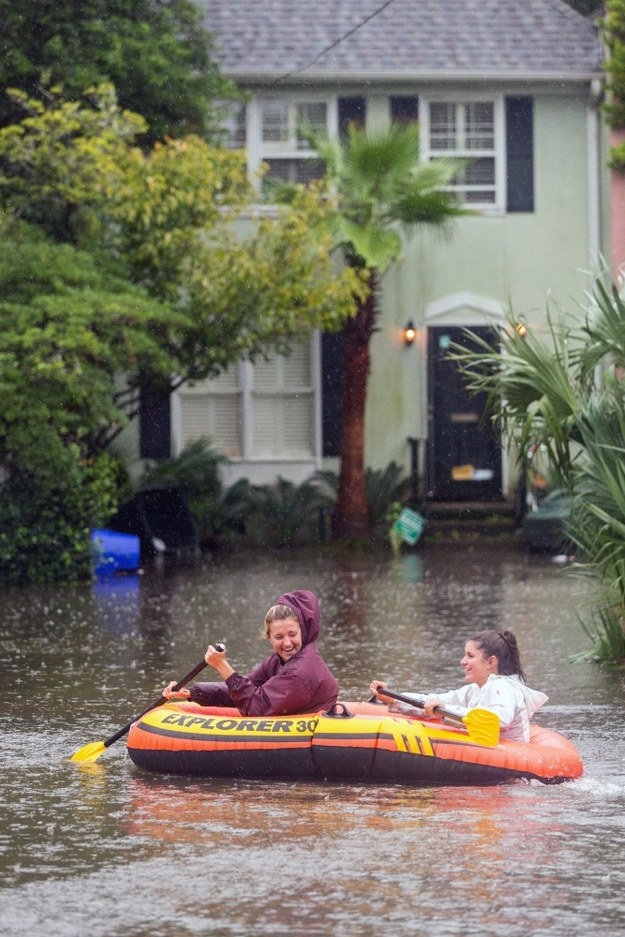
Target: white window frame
x,y
233,124
280,395
246,393
497,206
257,151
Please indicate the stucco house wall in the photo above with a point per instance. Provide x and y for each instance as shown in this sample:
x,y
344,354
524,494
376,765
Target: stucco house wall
x,y
490,263
539,51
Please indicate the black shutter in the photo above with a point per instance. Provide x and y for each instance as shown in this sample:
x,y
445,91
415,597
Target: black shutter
x,y
520,154
352,112
332,391
154,422
404,108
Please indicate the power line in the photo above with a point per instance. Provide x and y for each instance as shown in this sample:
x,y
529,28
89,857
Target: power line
x,y
338,41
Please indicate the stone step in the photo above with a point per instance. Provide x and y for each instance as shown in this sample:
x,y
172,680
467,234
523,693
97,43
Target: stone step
x,y
468,520
462,510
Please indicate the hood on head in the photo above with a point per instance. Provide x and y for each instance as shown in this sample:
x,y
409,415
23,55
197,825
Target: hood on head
x,y
306,607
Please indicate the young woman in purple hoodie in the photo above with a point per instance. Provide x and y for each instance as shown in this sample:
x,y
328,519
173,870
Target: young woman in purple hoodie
x,y
293,679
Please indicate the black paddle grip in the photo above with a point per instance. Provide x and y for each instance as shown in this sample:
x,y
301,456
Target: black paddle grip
x,y
186,679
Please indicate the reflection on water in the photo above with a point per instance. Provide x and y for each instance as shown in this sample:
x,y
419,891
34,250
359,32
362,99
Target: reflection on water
x,y
103,849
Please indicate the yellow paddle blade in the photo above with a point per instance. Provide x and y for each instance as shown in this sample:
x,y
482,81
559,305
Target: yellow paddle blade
x,y
483,726
90,752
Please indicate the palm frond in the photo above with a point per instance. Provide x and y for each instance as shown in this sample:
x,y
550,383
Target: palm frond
x,y
194,471
531,389
383,186
604,329
283,514
379,246
385,487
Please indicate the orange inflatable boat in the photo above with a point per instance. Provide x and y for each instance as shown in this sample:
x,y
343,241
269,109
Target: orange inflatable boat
x,y
354,742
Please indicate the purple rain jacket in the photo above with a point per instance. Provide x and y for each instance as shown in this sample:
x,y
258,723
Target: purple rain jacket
x,y
304,684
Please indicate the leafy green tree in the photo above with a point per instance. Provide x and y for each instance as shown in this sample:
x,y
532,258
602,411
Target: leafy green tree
x,y
67,331
157,54
130,266
63,163
613,23
165,219
384,190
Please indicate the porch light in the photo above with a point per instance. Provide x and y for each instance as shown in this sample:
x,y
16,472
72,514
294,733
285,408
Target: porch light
x,y
409,333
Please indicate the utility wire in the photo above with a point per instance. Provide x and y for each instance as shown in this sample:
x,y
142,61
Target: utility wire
x,y
337,42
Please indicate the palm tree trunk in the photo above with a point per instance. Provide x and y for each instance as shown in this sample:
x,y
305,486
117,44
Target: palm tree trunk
x,y
351,516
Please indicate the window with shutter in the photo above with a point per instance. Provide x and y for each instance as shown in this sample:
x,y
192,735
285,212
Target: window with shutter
x,y
404,109
213,408
520,154
282,405
265,410
284,125
471,130
234,125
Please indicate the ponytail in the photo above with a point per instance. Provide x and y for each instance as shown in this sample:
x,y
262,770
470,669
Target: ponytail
x,y
503,646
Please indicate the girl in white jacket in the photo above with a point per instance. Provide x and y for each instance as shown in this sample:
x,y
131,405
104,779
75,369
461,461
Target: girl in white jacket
x,y
495,681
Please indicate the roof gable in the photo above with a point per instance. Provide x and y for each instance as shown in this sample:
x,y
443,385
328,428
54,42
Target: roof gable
x,y
348,39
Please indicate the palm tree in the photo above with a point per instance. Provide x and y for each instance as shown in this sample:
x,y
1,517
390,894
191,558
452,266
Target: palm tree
x,y
384,190
546,393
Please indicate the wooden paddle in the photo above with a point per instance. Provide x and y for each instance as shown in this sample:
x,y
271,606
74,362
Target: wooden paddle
x,y
482,725
93,750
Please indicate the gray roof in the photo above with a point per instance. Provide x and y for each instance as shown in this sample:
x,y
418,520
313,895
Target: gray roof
x,y
402,39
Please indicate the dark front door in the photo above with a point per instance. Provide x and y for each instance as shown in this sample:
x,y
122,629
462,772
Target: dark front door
x,y
464,455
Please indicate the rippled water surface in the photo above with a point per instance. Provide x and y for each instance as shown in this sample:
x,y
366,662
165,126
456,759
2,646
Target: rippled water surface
x,y
105,849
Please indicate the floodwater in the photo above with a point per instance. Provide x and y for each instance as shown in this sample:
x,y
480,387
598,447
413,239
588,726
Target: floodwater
x,y
105,849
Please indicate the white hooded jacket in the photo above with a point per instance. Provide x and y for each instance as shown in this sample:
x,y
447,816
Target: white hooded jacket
x,y
507,696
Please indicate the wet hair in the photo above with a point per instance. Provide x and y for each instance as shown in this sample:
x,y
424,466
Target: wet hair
x,y
277,613
503,646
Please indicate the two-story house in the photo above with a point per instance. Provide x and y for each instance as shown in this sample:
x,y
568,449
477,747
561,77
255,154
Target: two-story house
x,y
515,89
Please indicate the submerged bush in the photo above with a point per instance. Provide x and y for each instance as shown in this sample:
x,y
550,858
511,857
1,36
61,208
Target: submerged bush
x,y
285,514
219,512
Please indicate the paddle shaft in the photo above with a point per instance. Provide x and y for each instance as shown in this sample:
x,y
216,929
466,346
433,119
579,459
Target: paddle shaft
x,y
444,713
182,682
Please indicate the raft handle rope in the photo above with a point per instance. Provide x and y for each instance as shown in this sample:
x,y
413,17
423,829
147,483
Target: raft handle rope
x,y
339,711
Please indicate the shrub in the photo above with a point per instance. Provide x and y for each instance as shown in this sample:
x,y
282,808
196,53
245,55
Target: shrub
x,y
45,529
387,489
219,513
285,514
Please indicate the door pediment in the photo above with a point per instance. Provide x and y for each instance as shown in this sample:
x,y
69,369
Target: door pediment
x,y
464,309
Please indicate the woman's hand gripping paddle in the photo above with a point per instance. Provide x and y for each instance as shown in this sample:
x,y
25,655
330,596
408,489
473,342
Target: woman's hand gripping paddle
x,y
482,725
93,750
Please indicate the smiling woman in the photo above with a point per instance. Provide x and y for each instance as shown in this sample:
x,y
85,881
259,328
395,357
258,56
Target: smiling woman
x,y
293,679
495,681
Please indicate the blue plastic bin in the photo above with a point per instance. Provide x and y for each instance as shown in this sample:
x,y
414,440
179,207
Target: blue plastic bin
x,y
114,552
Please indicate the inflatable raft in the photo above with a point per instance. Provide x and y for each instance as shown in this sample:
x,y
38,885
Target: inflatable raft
x,y
354,742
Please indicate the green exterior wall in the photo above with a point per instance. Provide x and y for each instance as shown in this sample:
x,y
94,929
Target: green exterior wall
x,y
491,263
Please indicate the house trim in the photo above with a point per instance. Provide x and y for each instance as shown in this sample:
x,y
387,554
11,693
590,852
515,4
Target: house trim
x,y
264,468
563,81
593,127
449,306
461,97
